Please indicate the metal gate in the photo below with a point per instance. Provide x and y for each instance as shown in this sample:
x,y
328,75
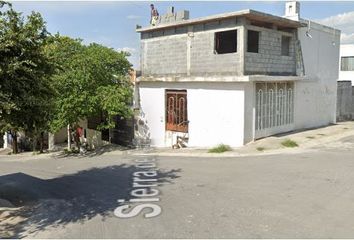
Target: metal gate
x,y
274,108
176,110
123,132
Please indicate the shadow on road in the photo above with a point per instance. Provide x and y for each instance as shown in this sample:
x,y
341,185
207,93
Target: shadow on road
x,y
95,152
69,198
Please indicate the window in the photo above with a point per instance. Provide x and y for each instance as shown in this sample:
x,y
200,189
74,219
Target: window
x,y
252,41
226,42
285,45
347,64
176,110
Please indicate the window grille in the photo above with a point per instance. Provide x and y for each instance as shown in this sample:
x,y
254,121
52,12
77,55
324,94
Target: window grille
x,y
274,105
347,64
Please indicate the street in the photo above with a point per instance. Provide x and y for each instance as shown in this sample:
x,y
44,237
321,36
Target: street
x,y
305,194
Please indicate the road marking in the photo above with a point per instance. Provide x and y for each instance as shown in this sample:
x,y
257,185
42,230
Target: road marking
x,y
144,194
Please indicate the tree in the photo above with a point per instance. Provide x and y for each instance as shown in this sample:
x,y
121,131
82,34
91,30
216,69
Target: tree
x,y
90,80
25,91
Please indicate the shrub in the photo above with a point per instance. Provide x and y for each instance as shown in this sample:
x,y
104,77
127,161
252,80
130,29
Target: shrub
x,y
220,149
289,143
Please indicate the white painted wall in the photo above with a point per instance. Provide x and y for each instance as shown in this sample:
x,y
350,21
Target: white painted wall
x,y
346,50
215,112
152,100
216,115
6,144
249,115
93,137
315,97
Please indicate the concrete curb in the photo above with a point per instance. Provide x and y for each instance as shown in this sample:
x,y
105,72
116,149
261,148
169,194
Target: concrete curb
x,y
306,145
329,134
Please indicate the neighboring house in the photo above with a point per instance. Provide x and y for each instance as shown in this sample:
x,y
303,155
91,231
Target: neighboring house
x,y
345,93
236,77
122,133
347,63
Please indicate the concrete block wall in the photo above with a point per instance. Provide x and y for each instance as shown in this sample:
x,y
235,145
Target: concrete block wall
x,y
204,60
345,100
268,60
165,55
188,51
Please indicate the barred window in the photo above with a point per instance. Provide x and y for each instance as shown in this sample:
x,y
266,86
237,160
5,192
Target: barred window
x,y
347,64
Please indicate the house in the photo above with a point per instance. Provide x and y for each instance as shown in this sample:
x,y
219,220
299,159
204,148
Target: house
x,y
236,77
345,93
347,63
122,133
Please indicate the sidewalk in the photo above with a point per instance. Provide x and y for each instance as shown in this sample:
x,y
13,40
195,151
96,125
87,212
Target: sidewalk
x,y
306,139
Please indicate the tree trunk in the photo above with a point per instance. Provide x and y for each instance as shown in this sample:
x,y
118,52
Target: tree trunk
x,y
34,144
14,143
69,137
77,139
41,142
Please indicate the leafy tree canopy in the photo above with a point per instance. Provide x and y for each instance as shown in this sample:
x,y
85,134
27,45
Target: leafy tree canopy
x,y
49,82
89,80
25,92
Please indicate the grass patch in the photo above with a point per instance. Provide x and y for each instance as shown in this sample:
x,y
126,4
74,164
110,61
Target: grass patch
x,y
261,149
321,134
345,128
289,143
220,149
310,137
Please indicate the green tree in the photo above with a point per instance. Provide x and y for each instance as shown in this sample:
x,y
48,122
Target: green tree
x,y
90,80
25,91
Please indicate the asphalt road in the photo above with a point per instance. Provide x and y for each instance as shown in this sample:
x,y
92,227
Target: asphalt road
x,y
300,195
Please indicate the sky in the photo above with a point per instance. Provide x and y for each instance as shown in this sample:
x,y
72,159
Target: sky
x,y
113,23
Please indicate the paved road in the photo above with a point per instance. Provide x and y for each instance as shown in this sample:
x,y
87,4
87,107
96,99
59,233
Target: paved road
x,y
299,195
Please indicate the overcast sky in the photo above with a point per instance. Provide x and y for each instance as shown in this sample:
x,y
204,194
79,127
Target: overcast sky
x,y
113,23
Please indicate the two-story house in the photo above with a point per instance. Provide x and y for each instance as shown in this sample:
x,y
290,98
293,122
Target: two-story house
x,y
236,77
345,93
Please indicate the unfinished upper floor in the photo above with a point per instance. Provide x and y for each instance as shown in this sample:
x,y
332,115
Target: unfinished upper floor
x,y
241,43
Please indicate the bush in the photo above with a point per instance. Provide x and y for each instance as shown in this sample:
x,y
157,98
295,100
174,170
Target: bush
x,y
289,143
220,149
260,149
